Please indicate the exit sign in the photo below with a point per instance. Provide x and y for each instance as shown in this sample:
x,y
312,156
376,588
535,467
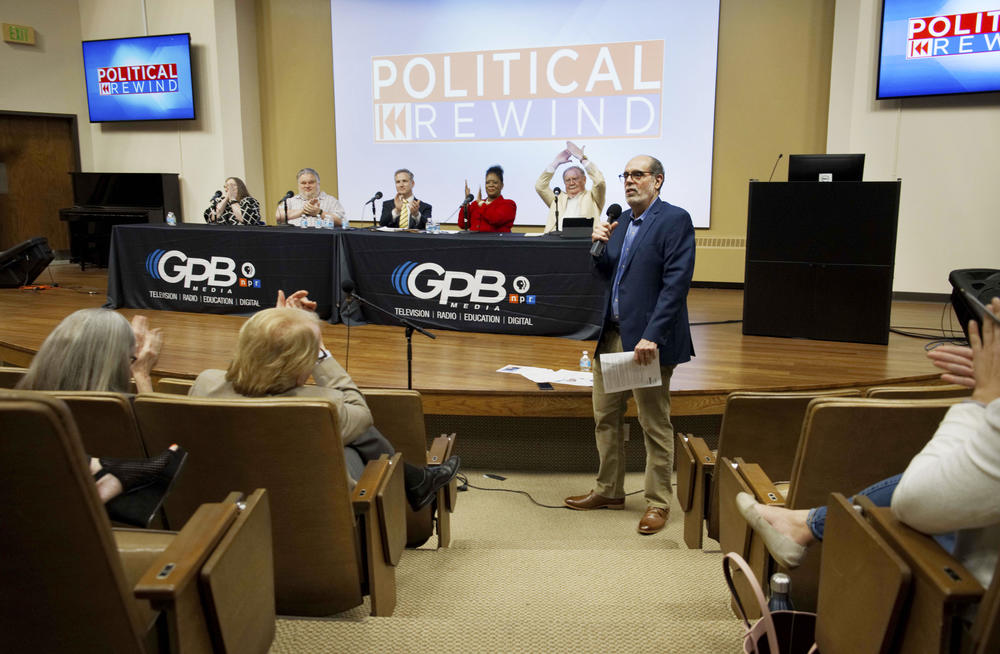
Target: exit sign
x,y
18,34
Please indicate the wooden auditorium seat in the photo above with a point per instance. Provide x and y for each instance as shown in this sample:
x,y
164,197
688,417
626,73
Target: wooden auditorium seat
x,y
943,590
399,416
9,376
918,392
105,421
331,545
69,579
846,445
173,385
757,426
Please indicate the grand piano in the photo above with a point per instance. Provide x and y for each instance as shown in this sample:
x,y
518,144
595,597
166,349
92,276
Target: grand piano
x,y
103,200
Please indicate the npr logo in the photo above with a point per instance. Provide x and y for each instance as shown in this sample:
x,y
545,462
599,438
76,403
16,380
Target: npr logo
x,y
513,298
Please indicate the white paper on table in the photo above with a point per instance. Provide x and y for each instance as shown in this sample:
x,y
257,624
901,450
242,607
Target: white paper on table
x,y
620,372
537,375
574,378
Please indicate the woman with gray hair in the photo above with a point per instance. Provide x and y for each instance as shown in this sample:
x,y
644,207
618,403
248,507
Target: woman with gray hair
x,y
98,350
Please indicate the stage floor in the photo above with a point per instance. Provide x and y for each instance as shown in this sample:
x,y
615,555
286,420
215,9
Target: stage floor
x,y
456,372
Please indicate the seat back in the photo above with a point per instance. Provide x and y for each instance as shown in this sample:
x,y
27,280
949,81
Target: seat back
x,y
9,376
64,588
985,636
863,585
847,445
917,392
174,385
292,447
106,423
763,428
399,415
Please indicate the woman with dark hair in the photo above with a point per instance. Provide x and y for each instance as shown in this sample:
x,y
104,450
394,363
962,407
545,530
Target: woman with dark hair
x,y
98,350
235,206
495,213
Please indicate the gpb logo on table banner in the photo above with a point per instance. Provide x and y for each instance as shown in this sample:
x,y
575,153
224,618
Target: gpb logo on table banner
x,y
174,267
427,281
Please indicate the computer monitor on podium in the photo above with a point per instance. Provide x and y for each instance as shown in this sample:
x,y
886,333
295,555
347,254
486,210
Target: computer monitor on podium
x,y
825,167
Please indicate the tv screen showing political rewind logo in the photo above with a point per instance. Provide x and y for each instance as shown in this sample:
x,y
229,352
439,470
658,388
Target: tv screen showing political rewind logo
x,y
141,78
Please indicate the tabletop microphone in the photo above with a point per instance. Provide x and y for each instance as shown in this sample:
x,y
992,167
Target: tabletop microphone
x,y
614,211
377,196
775,167
288,196
556,191
468,199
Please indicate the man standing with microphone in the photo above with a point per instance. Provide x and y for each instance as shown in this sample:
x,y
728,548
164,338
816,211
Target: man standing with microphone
x,y
648,260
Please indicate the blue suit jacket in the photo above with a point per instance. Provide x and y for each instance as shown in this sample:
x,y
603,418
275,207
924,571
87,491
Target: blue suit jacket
x,y
652,294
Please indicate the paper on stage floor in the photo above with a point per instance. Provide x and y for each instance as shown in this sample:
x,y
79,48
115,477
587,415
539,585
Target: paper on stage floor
x,y
620,372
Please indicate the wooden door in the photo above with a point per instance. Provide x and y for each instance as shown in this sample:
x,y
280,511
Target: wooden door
x,y
37,152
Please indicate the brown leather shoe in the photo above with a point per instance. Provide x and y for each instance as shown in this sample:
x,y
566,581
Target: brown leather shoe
x,y
594,501
653,520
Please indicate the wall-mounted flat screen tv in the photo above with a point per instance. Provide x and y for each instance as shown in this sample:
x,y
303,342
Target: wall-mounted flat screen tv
x,y
939,47
139,78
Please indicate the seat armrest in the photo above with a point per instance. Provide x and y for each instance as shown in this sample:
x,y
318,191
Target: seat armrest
x,y
923,554
762,486
377,501
178,565
702,454
441,449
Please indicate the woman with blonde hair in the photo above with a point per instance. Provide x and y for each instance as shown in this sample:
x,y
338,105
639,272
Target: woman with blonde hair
x,y
276,352
98,350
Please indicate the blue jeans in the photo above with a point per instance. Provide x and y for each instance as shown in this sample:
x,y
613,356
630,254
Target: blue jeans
x,y
880,494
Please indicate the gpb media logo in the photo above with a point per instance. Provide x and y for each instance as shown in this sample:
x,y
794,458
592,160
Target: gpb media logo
x,y
174,267
427,281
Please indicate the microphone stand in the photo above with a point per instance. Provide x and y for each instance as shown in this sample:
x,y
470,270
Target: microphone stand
x,y
556,203
410,328
374,222
286,209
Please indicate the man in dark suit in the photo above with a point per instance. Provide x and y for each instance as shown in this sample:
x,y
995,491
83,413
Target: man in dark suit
x,y
404,210
648,261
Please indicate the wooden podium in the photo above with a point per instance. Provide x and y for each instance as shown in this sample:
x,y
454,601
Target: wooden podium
x,y
819,260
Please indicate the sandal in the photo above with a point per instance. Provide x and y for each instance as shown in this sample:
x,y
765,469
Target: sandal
x,y
145,484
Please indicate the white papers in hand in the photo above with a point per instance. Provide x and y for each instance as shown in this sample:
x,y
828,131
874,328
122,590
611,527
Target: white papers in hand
x,y
620,372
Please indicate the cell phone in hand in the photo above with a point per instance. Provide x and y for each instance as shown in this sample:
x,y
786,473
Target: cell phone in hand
x,y
979,308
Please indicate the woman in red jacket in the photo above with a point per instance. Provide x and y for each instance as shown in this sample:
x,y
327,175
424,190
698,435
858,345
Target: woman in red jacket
x,y
495,213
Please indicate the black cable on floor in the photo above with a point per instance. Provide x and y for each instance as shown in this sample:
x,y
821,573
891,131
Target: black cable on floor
x,y
465,482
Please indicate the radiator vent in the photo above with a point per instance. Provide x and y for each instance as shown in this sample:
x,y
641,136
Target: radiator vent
x,y
732,242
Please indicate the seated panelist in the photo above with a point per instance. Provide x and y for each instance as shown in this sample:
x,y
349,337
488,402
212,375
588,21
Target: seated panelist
x,y
311,202
576,200
405,210
235,206
495,213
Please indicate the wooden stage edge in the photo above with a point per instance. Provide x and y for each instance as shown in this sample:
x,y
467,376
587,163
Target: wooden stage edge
x,y
456,373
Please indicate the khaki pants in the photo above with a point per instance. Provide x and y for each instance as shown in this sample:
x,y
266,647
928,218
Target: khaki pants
x,y
653,406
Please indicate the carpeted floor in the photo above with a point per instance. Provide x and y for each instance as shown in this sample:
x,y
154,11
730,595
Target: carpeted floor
x,y
522,578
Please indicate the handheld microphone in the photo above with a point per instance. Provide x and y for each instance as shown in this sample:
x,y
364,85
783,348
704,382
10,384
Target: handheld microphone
x,y
377,196
218,194
775,167
614,211
288,195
